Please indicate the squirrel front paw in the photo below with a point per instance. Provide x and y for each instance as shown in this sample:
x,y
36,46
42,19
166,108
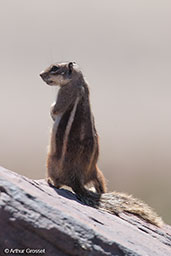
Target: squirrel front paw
x,y
52,111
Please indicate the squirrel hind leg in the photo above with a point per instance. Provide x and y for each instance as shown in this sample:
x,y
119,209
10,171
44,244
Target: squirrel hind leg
x,y
55,183
78,187
84,195
99,182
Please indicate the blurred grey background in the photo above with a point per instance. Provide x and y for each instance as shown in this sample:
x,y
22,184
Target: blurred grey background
x,y
124,50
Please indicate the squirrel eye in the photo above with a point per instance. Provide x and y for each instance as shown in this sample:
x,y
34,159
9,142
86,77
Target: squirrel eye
x,y
54,69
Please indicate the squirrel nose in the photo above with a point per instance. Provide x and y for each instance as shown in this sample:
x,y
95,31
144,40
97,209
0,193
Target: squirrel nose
x,y
43,75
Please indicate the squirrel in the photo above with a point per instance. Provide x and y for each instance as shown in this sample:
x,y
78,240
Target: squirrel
x,y
74,147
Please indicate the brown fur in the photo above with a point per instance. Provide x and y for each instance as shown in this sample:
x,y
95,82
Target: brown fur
x,y
74,148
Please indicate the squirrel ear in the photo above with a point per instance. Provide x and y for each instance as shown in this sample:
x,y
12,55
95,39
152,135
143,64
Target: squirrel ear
x,y
70,66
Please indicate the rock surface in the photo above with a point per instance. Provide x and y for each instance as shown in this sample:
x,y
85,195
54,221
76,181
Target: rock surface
x,y
36,219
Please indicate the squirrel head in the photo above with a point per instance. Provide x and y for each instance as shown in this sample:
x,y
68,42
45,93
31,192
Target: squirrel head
x,y
60,74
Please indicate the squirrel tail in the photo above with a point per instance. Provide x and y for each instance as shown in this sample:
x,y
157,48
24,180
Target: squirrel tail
x,y
115,203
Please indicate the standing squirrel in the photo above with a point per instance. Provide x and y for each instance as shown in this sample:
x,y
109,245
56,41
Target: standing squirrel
x,y
74,148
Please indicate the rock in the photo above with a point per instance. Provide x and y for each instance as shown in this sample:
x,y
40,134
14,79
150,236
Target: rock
x,y
36,219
